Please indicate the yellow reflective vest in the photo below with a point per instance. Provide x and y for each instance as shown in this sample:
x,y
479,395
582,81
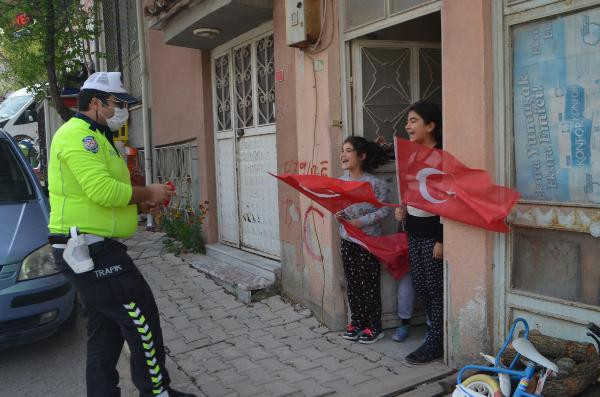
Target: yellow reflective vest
x,y
89,183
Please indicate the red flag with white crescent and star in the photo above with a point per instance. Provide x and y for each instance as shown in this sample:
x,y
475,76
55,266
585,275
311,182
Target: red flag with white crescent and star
x,y
435,181
335,195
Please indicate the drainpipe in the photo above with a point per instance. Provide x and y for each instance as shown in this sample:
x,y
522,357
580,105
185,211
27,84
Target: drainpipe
x,y
145,114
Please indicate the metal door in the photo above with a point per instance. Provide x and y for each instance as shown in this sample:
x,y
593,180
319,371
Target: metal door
x,y
389,76
245,145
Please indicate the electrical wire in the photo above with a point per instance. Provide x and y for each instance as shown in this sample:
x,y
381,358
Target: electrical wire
x,y
312,161
323,17
314,49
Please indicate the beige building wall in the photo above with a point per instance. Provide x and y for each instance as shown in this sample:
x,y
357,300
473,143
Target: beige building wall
x,y
468,117
182,110
308,101
311,266
311,263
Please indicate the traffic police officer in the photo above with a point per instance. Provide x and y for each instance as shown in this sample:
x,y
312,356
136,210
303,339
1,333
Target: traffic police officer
x,y
90,189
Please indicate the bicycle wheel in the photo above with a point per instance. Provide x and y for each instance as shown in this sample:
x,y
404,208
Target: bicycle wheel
x,y
483,384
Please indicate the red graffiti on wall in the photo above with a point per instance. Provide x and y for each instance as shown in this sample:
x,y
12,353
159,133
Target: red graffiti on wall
x,y
305,167
307,235
288,204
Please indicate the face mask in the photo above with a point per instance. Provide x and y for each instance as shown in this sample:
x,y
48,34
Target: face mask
x,y
118,119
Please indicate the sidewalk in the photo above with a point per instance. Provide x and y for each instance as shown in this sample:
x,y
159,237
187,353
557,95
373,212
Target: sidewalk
x,y
222,347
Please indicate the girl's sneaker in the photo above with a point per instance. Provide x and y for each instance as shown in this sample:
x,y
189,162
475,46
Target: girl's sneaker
x,y
401,333
352,332
368,335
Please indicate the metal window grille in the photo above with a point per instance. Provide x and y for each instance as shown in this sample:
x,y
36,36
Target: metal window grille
x,y
178,164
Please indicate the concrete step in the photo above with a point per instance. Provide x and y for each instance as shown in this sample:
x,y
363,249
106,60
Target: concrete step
x,y
248,276
237,256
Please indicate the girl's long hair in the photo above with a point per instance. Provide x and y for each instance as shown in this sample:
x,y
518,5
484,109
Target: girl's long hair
x,y
375,155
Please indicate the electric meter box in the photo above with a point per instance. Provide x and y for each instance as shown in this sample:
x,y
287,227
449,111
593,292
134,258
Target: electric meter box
x,y
302,24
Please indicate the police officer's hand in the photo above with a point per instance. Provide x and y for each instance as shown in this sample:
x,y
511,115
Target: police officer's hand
x,y
154,193
148,207
158,193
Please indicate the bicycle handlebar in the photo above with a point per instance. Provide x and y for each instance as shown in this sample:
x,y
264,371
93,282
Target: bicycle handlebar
x,y
509,339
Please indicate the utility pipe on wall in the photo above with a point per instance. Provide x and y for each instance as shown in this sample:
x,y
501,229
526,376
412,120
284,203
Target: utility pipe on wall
x,y
145,101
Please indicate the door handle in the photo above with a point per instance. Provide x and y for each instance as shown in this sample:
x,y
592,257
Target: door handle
x,y
239,132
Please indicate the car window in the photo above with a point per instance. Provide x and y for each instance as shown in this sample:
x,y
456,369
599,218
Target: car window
x,y
24,117
14,182
12,105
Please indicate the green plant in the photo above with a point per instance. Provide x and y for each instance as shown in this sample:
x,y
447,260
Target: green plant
x,y
184,229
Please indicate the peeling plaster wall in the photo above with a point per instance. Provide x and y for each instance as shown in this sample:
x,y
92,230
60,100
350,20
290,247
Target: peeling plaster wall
x,y
311,263
467,74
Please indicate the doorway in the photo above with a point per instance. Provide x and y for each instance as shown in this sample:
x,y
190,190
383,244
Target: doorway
x,y
389,70
245,142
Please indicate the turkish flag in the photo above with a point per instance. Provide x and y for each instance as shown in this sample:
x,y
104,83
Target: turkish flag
x,y
435,181
335,195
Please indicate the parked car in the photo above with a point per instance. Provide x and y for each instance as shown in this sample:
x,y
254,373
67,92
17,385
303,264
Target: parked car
x,y
18,115
35,300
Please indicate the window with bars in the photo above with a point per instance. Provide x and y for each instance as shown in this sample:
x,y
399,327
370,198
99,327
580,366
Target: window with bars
x,y
245,79
392,76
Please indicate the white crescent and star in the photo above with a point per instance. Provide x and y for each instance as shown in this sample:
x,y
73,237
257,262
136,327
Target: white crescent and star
x,y
422,179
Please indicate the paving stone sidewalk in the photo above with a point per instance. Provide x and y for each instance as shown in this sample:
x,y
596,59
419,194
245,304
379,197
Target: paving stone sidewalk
x,y
268,348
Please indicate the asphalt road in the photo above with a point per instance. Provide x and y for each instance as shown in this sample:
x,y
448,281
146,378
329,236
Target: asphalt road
x,y
53,367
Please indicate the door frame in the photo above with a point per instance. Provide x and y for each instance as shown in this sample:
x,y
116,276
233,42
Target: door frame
x,y
389,319
504,17
225,48
346,37
348,84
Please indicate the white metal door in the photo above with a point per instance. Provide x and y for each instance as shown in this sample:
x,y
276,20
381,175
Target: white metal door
x,y
245,144
225,150
388,77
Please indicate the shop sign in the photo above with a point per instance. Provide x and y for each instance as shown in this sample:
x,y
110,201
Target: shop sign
x,y
556,103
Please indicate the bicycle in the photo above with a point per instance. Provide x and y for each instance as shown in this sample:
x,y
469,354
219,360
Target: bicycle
x,y
482,385
476,385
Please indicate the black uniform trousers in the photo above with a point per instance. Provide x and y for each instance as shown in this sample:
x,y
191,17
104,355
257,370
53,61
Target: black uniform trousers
x,y
428,279
120,307
362,271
